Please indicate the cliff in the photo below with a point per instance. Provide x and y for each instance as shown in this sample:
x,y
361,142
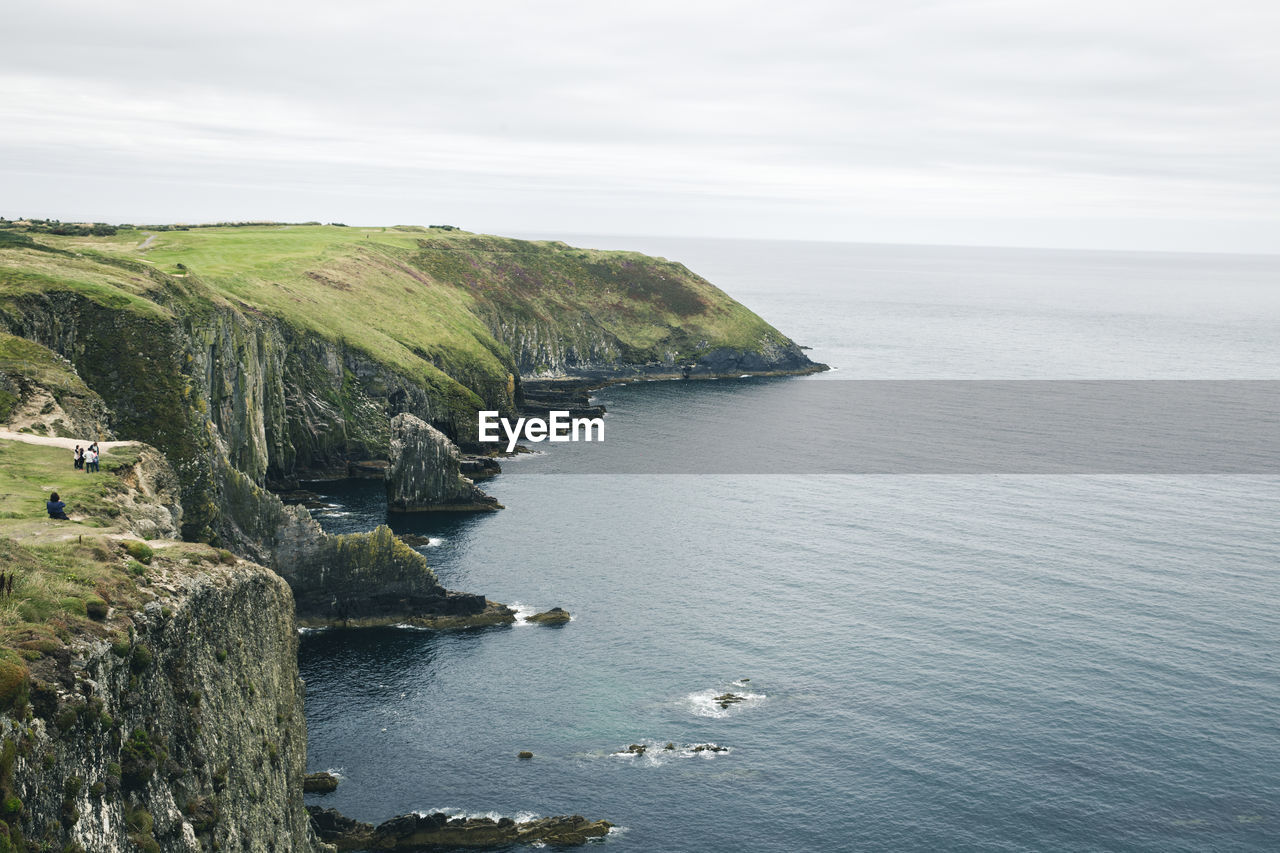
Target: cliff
x,y
425,473
183,730
149,692
256,357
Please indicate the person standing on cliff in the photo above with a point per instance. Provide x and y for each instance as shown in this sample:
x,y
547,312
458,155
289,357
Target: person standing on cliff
x,y
93,457
79,457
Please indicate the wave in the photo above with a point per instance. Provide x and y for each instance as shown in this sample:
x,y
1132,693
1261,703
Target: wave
x,y
658,753
523,612
712,702
518,817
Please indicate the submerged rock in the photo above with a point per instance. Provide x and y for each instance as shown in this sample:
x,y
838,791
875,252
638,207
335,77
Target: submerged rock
x,y
319,783
425,473
416,832
554,616
727,699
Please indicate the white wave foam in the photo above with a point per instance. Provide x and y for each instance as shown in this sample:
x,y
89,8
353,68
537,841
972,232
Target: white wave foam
x,y
405,626
704,703
338,772
434,542
656,753
523,612
305,630
452,812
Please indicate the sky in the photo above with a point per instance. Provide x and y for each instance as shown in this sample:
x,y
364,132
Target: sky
x,y
1080,124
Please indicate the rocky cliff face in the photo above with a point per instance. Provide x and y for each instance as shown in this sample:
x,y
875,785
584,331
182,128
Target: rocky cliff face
x,y
246,379
186,734
565,349
230,398
425,472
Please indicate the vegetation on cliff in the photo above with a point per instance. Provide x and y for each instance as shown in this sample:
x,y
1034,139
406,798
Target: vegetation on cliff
x,y
148,690
282,352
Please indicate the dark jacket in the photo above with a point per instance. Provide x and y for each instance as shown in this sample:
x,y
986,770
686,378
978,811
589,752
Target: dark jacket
x,y
56,508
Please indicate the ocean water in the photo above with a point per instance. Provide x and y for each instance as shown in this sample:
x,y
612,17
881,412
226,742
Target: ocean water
x,y
961,662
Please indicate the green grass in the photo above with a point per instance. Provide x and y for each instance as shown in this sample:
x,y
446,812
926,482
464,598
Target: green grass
x,y
417,299
19,355
71,579
30,472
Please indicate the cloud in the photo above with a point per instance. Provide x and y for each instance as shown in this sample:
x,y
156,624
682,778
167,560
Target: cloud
x,y
837,120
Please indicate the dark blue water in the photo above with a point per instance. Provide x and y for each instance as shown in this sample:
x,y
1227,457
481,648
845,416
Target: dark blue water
x,y
962,663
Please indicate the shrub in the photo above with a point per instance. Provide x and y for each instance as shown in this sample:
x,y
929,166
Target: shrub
x,y
96,608
15,680
137,760
140,551
226,557
140,659
66,718
139,820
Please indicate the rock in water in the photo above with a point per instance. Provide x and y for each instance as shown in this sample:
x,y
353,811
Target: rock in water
x,y
426,471
727,699
554,616
319,783
525,755
416,832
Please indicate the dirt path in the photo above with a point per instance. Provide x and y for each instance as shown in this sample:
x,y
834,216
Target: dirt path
x,y
68,443
147,242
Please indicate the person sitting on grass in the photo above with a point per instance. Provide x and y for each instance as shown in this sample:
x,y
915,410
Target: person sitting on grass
x,y
57,509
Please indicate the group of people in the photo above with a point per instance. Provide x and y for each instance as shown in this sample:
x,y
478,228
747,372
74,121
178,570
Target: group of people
x,y
86,458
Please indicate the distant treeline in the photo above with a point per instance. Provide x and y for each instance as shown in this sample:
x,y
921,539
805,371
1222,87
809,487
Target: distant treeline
x,y
67,229
103,229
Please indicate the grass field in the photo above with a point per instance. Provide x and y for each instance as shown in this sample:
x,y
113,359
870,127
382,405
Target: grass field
x,y
67,575
419,299
29,473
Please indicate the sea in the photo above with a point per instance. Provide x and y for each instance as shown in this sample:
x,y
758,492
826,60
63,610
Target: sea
x,y
985,661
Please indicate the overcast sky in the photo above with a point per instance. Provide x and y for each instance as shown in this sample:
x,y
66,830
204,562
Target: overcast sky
x,y
1081,123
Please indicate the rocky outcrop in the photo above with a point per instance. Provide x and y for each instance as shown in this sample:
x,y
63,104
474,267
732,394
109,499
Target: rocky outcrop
x,y
439,831
150,505
554,616
185,734
319,783
425,472
41,393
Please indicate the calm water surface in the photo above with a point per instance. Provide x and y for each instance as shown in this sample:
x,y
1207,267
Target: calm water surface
x,y
961,663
